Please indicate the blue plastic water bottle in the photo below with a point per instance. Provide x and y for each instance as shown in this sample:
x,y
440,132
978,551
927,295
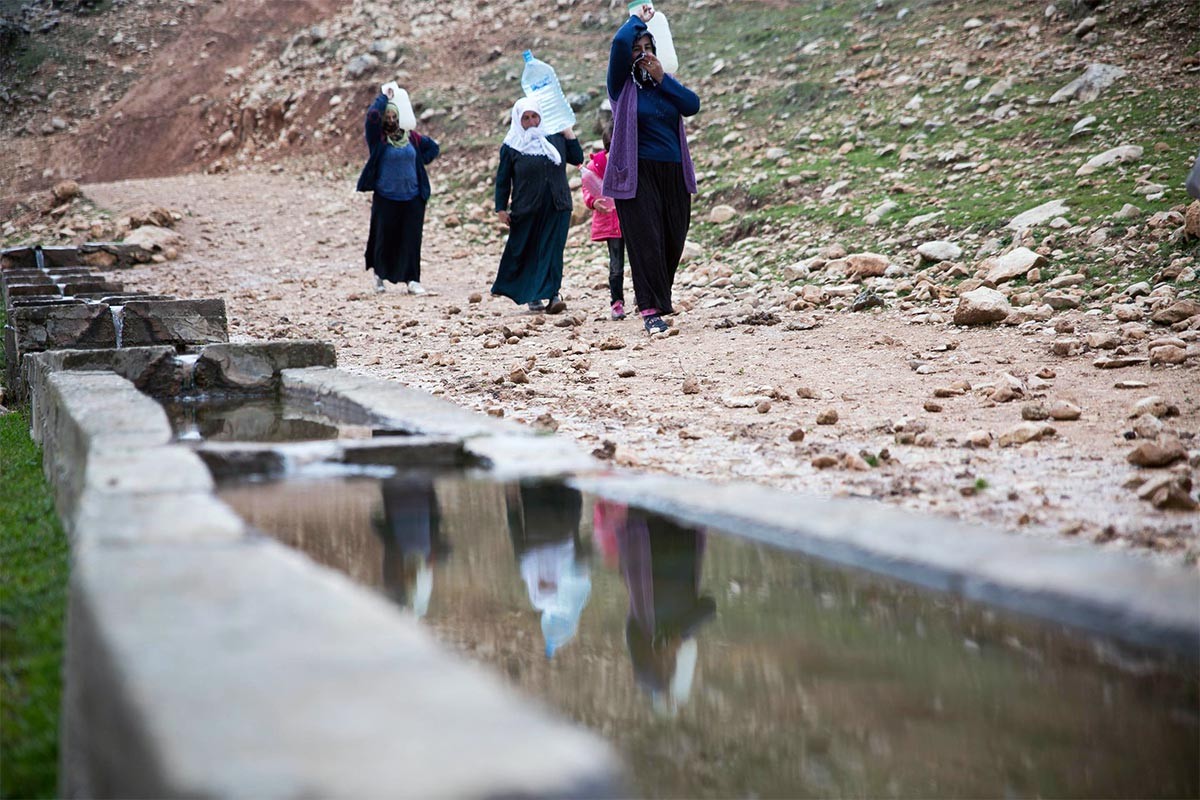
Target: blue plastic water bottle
x,y
541,84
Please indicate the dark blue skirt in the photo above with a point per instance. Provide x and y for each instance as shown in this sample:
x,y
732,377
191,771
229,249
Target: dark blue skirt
x,y
394,243
532,265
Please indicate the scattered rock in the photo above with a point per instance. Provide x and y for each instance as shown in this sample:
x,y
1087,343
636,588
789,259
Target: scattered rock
x,y
940,251
1117,155
981,306
1160,453
824,461
690,386
1148,426
1037,215
1012,264
1026,432
518,375
1155,406
1169,492
806,393
979,439
1167,354
722,214
796,435
1088,86
763,407
475,297
1034,411
827,417
1065,411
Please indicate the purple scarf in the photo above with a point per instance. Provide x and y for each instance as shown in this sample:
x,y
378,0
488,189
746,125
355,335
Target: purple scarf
x,y
620,177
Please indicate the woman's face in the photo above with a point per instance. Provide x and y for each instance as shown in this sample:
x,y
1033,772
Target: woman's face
x,y
530,119
390,120
643,45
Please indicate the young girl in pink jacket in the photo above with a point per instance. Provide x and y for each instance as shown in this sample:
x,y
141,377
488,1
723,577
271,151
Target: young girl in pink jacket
x,y
605,226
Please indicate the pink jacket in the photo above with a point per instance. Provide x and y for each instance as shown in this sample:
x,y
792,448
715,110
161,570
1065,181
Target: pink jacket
x,y
605,224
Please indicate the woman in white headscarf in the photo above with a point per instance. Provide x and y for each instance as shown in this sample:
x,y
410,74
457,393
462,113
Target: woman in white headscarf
x,y
533,176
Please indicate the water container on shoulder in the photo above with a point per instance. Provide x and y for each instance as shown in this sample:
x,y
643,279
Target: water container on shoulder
x,y
408,120
541,84
664,45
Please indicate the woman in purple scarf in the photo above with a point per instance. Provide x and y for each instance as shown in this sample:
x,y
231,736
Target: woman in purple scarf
x,y
649,173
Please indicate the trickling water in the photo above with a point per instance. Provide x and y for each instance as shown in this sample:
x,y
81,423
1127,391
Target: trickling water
x,y
188,364
39,258
118,315
188,426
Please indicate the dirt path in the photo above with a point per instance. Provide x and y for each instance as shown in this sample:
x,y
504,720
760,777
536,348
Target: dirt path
x,y
285,254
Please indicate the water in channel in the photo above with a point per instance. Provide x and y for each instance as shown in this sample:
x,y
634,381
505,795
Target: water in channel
x,y
240,419
720,667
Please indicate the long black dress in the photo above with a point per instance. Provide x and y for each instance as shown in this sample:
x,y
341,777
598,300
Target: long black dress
x,y
531,267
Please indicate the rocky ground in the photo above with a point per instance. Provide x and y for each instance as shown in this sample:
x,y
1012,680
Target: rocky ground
x,y
997,424
941,254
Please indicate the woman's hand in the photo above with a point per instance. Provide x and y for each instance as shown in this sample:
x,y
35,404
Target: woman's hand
x,y
645,12
391,93
605,204
504,217
652,65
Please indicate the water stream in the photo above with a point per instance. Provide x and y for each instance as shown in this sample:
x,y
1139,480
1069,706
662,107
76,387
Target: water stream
x,y
118,316
722,667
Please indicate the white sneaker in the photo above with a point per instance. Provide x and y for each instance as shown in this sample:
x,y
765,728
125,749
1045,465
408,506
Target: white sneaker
x,y
378,284
414,287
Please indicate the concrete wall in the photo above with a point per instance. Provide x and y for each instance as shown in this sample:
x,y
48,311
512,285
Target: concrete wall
x,y
202,661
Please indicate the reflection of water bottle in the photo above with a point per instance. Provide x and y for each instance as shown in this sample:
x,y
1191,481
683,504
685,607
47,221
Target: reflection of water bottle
x,y
661,31
541,84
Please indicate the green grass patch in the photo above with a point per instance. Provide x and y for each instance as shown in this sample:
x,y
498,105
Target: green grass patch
x,y
33,597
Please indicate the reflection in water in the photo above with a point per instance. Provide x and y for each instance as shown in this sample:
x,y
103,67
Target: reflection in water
x,y
661,565
240,419
409,528
812,681
543,521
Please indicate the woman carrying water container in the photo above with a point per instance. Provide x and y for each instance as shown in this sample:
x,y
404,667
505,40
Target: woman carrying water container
x,y
649,172
395,173
533,174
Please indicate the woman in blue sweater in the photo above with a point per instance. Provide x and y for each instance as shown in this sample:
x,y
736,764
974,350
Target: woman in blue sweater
x,y
395,172
650,172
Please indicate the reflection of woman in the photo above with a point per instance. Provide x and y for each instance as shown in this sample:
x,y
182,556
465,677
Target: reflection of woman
x,y
543,521
649,172
395,174
533,172
661,565
412,542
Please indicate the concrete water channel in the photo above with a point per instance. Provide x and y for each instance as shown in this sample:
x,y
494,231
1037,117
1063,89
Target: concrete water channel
x,y
303,582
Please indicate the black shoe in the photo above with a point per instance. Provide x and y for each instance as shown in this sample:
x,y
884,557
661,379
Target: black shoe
x,y
537,306
557,306
654,324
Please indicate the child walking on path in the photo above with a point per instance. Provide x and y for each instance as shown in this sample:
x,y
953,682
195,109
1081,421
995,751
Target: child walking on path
x,y
605,225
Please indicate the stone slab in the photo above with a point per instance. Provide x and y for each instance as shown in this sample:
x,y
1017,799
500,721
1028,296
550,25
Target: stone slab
x,y
360,399
247,671
153,370
26,258
176,322
108,518
254,367
509,457
82,414
1116,594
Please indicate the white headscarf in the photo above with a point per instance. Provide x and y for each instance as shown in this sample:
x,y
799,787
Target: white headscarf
x,y
531,141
